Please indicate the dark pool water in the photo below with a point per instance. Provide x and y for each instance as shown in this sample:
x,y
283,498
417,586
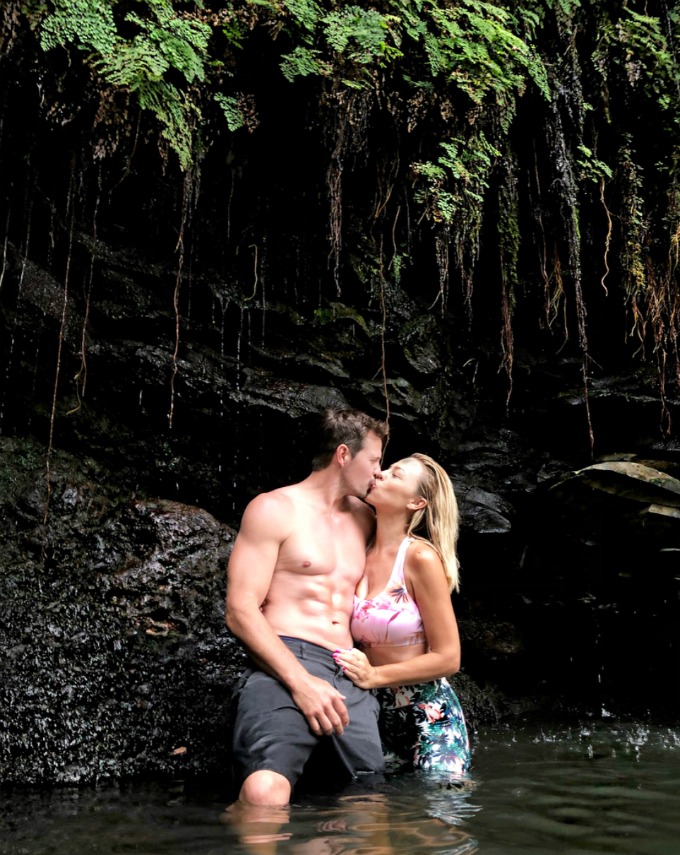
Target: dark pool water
x,y
593,787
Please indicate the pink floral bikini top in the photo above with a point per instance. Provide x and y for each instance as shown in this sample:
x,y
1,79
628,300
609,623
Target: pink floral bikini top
x,y
391,618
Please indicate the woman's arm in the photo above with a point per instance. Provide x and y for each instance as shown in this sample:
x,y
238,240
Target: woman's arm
x,y
426,580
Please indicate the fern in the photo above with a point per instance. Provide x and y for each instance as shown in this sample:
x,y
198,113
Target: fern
x,y
473,45
638,48
174,110
87,23
162,42
478,48
305,12
131,65
182,43
302,62
232,111
454,186
590,167
361,33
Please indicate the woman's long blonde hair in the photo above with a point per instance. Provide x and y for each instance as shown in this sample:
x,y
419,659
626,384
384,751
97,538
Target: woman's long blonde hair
x,y
439,516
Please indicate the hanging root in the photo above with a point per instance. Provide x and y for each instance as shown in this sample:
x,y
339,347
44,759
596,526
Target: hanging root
x,y
607,239
186,194
383,358
256,279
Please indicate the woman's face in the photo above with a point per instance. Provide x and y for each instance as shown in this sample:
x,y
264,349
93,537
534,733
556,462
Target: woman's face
x,y
398,485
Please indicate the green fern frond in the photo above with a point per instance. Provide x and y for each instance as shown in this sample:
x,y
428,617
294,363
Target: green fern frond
x,y
87,23
361,34
302,62
305,12
232,111
131,65
176,113
184,43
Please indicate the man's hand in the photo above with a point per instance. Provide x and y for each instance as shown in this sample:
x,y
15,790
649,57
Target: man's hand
x,y
322,705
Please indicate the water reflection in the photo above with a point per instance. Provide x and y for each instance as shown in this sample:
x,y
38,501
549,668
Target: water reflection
x,y
406,817
259,829
580,790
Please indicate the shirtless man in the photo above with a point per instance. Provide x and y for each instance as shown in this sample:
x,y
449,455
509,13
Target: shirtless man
x,y
292,573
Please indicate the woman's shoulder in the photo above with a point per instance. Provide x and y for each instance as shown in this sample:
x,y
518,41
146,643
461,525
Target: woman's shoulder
x,y
424,571
422,556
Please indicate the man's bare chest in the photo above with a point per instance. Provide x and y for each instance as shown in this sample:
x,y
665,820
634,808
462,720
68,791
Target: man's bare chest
x,y
323,547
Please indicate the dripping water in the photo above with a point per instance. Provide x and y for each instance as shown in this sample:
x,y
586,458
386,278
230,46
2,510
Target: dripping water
x,y
262,280
237,407
70,209
28,206
220,389
185,221
8,368
80,379
10,354
4,249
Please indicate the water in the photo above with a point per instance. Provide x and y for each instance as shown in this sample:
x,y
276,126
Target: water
x,y
593,788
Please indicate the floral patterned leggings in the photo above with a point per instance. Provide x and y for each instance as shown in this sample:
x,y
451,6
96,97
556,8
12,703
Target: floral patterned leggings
x,y
424,724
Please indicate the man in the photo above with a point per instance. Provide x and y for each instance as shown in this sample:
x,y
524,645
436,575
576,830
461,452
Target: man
x,y
292,573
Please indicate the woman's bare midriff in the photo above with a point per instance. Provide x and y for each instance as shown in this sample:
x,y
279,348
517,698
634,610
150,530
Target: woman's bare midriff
x,y
387,654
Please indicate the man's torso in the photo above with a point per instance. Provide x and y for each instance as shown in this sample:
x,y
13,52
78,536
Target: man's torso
x,y
318,567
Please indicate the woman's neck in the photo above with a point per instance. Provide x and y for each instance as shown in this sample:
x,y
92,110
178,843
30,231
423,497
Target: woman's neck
x,y
389,532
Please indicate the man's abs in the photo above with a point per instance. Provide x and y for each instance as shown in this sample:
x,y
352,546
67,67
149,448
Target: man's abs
x,y
327,628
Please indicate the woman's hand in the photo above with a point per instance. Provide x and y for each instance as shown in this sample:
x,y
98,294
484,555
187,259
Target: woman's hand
x,y
356,666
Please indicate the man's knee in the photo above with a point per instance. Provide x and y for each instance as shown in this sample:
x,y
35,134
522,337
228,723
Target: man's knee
x,y
265,788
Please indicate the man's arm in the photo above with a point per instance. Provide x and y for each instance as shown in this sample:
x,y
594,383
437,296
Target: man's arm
x,y
264,527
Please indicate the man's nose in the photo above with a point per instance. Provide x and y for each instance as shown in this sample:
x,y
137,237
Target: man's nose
x,y
379,474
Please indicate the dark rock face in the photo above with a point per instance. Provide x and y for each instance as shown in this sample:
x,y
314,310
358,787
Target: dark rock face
x,y
116,658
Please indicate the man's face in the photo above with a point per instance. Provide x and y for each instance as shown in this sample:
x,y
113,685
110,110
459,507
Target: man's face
x,y
364,467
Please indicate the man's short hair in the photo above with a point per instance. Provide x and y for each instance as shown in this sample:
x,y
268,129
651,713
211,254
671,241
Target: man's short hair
x,y
345,427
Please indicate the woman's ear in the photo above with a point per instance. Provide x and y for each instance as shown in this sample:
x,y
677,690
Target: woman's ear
x,y
417,504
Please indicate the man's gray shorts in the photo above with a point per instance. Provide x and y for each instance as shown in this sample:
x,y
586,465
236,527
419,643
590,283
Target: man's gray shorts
x,y
271,733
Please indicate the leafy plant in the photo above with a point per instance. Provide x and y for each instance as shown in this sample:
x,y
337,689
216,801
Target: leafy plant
x,y
474,46
590,167
465,165
160,41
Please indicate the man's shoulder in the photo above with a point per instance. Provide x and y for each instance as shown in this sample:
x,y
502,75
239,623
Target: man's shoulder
x,y
268,516
272,501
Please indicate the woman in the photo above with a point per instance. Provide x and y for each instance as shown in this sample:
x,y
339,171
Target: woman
x,y
403,620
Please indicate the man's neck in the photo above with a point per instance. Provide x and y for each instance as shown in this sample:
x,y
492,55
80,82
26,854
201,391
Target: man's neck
x,y
326,490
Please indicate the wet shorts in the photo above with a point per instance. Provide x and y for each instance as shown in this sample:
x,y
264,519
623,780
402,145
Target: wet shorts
x,y
271,733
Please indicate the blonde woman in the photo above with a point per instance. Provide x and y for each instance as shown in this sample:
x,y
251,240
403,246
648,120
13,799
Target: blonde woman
x,y
403,622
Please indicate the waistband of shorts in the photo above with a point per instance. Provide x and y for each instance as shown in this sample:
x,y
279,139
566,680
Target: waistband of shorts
x,y
307,649
410,689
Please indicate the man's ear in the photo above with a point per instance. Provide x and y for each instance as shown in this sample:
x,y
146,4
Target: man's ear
x,y
417,503
342,454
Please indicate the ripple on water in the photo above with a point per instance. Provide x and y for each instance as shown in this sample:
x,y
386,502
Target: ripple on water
x,y
573,791
589,790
